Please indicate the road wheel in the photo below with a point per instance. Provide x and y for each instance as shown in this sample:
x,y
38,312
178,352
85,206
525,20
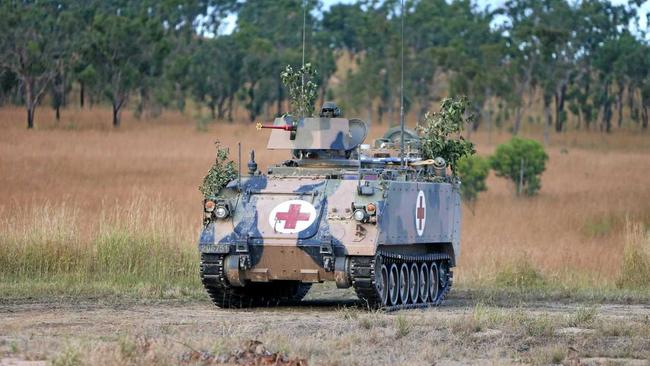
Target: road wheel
x,y
414,283
424,282
434,282
404,283
393,284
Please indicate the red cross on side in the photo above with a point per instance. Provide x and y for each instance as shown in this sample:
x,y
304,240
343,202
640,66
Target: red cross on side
x,y
292,217
420,213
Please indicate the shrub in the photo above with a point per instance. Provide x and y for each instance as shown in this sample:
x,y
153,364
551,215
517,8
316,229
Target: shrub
x,y
522,161
472,170
521,275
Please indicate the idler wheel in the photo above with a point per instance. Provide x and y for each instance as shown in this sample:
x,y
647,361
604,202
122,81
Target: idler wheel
x,y
393,286
414,283
424,282
404,283
433,282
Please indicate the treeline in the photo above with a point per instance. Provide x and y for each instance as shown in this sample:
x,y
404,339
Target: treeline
x,y
587,62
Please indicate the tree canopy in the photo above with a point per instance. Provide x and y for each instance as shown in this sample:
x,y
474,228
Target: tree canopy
x,y
586,63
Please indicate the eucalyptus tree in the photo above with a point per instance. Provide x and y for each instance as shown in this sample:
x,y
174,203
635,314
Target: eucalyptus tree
x,y
214,74
125,46
34,54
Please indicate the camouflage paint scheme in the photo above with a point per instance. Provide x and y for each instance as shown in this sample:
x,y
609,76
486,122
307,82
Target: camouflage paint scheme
x,y
334,188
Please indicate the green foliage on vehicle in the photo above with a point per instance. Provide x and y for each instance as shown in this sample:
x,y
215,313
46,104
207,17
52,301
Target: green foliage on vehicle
x,y
438,129
472,171
302,89
222,171
523,161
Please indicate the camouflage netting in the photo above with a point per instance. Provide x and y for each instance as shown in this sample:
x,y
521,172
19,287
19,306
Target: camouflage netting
x,y
222,171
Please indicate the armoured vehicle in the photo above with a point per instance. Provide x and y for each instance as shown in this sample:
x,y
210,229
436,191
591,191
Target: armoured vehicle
x,y
337,210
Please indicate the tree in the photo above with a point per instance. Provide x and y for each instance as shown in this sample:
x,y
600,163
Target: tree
x,y
215,86
35,54
522,161
125,47
472,171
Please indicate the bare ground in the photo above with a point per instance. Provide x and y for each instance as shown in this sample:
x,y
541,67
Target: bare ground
x,y
67,332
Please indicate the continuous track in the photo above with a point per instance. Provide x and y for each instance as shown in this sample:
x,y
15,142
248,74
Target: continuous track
x,y
253,295
366,275
367,281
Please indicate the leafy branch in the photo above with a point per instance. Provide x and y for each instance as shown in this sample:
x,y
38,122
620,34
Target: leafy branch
x,y
438,128
222,171
303,91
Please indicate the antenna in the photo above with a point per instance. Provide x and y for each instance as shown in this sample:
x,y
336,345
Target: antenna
x,y
304,32
401,92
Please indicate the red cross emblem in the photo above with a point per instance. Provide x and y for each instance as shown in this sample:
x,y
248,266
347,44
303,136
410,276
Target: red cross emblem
x,y
292,216
420,213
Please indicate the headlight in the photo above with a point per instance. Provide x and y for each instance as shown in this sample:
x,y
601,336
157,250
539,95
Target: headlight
x,y
209,206
221,212
359,215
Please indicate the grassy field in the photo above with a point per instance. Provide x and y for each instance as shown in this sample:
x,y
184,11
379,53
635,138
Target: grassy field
x,y
87,210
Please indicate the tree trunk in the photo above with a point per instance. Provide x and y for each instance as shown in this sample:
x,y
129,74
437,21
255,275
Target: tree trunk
x,y
58,113
619,104
644,117
560,117
220,110
607,116
517,124
82,92
230,106
548,119
212,110
30,103
116,114
30,117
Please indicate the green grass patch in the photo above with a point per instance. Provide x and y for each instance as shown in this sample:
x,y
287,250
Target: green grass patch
x,y
133,252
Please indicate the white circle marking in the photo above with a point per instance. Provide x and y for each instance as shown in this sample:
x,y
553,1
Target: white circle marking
x,y
291,217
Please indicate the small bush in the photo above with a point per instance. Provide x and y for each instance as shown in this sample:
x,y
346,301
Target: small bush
x,y
402,326
521,274
583,317
523,161
472,171
635,270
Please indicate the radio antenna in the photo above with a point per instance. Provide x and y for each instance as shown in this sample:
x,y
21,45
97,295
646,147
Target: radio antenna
x,y
304,33
401,92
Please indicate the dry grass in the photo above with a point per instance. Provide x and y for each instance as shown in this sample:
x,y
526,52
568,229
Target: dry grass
x,y
70,188
165,333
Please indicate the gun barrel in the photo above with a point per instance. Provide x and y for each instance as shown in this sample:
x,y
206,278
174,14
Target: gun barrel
x,y
274,127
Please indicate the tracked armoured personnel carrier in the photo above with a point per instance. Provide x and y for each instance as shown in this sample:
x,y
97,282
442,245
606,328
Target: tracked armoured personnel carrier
x,y
336,211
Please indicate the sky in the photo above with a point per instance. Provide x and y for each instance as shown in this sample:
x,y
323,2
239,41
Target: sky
x,y
229,23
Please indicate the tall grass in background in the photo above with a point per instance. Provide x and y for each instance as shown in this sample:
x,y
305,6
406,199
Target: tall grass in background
x,y
635,270
136,248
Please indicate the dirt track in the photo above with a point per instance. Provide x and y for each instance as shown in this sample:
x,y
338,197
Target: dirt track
x,y
322,332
